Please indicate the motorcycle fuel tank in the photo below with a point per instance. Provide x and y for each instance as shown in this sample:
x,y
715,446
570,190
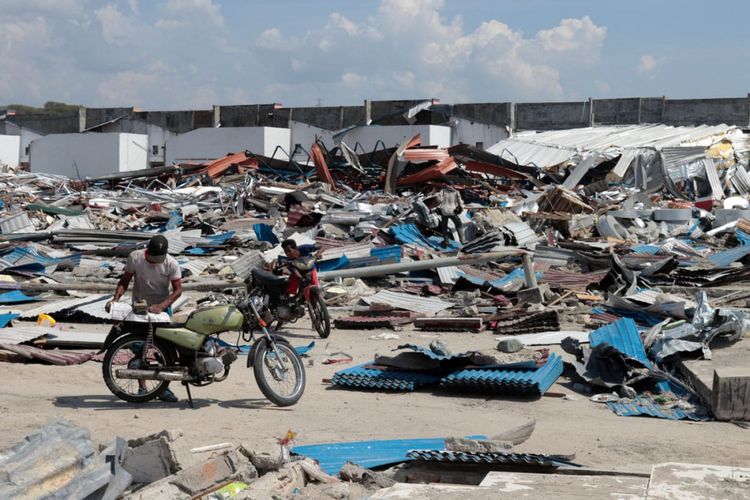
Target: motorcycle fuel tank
x,y
182,337
215,319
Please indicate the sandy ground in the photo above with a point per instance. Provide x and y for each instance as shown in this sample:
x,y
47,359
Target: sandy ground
x,y
235,410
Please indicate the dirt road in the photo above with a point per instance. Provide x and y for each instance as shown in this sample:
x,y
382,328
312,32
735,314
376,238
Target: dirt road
x,y
235,410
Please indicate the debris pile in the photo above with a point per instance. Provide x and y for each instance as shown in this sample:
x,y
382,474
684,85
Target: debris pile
x,y
543,237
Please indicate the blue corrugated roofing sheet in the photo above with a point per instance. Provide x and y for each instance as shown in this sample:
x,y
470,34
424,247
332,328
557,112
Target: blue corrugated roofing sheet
x,y
645,249
15,297
333,456
25,256
333,264
410,235
264,232
622,335
645,406
510,382
727,257
361,377
386,253
7,318
742,237
497,458
220,238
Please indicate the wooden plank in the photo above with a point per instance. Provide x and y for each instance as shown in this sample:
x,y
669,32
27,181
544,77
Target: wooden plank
x,y
677,481
731,393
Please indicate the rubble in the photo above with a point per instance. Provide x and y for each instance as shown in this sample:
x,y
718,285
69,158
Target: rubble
x,y
626,246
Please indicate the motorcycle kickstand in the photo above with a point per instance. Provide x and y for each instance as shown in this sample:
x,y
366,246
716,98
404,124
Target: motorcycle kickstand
x,y
190,396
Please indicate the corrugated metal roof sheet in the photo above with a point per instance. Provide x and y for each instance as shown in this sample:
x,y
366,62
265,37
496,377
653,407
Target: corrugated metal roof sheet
x,y
17,223
548,149
496,458
365,377
243,266
409,302
22,333
15,297
622,335
351,251
727,257
507,382
645,406
369,454
62,305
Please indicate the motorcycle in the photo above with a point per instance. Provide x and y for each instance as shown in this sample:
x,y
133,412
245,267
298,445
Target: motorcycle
x,y
290,298
142,356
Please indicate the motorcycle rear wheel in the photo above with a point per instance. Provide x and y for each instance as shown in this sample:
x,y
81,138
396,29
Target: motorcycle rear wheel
x,y
279,373
135,391
319,317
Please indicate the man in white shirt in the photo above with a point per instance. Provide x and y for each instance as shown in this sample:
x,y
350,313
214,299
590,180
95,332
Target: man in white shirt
x,y
152,271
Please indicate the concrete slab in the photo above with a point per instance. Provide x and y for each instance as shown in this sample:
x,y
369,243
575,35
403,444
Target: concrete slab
x,y
527,485
677,481
734,358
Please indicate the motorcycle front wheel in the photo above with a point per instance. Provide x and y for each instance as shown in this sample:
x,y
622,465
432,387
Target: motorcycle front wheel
x,y
279,373
319,317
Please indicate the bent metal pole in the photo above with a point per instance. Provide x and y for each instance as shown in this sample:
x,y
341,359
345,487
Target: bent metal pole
x,y
402,267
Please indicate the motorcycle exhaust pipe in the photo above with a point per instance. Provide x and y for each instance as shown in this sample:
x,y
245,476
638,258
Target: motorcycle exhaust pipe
x,y
153,375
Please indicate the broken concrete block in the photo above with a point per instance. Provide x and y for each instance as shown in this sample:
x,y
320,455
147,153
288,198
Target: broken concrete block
x,y
533,295
279,484
509,345
369,478
201,478
151,461
266,458
314,472
731,393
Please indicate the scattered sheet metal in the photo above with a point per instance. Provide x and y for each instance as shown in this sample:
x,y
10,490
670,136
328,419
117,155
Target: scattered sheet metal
x,y
647,407
504,382
496,458
62,305
368,376
409,302
368,454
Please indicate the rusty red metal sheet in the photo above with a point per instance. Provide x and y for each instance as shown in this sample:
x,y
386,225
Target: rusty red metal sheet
x,y
390,174
488,168
217,167
430,173
321,167
425,154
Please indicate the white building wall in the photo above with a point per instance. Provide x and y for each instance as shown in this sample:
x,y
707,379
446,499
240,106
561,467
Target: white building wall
x,y
10,150
393,135
305,135
477,134
206,144
88,155
133,152
26,136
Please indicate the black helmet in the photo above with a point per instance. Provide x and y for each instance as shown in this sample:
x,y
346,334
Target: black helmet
x,y
157,248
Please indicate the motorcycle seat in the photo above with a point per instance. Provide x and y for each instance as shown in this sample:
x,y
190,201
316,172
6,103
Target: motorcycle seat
x,y
269,280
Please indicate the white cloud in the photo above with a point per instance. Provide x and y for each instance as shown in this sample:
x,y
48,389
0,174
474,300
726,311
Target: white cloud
x,y
573,35
181,53
647,65
116,28
195,10
271,39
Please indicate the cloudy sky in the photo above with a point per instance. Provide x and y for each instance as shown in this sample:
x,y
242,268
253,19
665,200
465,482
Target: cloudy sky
x,y
184,54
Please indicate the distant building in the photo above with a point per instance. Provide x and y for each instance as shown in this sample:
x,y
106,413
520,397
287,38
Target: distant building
x,y
88,155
